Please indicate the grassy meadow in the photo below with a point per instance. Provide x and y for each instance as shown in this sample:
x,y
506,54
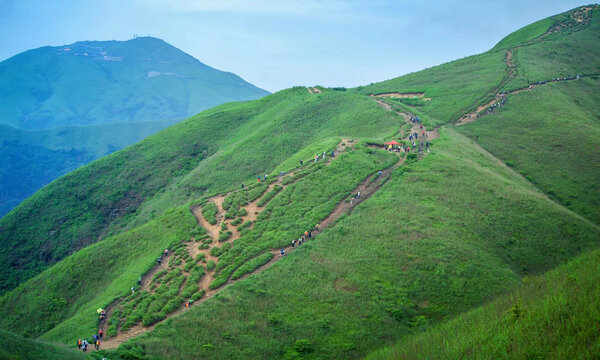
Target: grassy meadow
x,y
409,257
551,316
551,136
478,220
14,347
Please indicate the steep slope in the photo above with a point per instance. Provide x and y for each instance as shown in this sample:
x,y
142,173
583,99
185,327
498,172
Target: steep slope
x,y
14,347
32,159
447,229
219,148
432,242
132,84
94,82
550,134
551,316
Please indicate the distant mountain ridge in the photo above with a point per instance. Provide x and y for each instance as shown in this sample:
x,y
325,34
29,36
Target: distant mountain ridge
x,y
65,106
95,82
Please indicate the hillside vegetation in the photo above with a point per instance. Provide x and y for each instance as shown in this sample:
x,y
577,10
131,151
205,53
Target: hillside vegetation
x,y
386,270
14,347
553,316
32,159
211,152
99,82
441,231
63,107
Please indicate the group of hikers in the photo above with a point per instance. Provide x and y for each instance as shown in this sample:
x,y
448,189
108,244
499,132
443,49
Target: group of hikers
x,y
412,138
297,242
281,173
82,344
503,94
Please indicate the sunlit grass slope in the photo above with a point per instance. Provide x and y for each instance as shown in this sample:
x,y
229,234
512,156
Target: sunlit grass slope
x,y
213,151
551,136
551,316
453,87
441,236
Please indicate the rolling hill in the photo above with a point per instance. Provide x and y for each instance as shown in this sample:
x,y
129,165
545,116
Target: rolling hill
x,y
500,186
99,82
33,158
65,106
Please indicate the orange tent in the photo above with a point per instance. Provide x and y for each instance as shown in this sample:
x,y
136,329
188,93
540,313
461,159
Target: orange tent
x,y
393,142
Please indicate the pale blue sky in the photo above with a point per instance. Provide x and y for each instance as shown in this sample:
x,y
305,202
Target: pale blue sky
x,y
282,43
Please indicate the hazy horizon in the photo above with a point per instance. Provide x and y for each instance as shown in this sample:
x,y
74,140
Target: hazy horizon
x,y
277,45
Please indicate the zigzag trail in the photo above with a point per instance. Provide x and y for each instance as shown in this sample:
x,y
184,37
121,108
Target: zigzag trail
x,y
366,187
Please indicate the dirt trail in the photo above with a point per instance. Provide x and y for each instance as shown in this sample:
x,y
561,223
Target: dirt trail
x,y
413,95
252,212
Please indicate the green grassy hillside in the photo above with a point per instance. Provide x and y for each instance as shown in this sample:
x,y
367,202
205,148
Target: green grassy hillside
x,y
14,347
431,243
553,316
213,151
32,159
454,88
82,101
445,232
551,136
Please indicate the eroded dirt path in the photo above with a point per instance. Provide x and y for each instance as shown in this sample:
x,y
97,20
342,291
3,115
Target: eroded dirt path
x,y
252,210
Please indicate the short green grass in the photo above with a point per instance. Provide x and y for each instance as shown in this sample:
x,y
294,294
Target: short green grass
x,y
14,347
552,316
461,230
525,34
551,136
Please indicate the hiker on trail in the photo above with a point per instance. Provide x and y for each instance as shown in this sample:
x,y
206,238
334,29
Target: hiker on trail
x,y
84,345
310,234
352,201
408,149
96,337
100,333
259,179
317,227
190,302
379,173
281,173
293,244
166,252
301,162
332,153
102,316
97,344
316,158
242,186
187,305
139,280
159,260
305,234
282,252
133,289
265,177
78,344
